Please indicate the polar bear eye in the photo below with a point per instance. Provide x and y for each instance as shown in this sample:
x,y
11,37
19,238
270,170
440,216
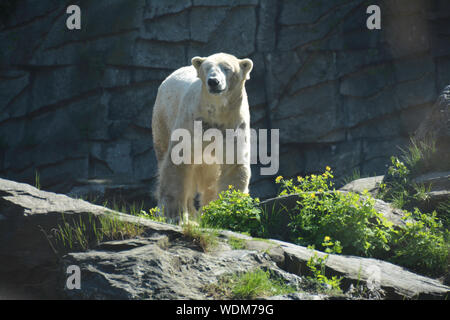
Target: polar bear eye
x,y
226,68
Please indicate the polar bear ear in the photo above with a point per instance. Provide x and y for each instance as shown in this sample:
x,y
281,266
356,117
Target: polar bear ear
x,y
197,62
246,66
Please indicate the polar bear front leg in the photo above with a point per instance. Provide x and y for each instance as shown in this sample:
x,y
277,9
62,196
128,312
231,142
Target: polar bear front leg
x,y
172,194
236,175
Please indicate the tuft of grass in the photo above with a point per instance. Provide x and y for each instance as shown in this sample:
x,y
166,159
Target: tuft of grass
x,y
355,175
113,228
134,209
274,221
420,155
37,180
81,235
399,187
73,235
249,285
137,210
237,243
206,239
443,210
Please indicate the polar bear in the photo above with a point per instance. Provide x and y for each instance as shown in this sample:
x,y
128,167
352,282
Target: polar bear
x,y
211,90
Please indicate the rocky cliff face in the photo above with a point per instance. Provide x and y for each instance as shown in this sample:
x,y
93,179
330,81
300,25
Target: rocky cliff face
x,y
76,106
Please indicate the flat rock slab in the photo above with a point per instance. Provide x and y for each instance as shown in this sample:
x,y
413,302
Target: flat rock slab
x,y
154,272
370,184
23,200
436,180
396,281
28,219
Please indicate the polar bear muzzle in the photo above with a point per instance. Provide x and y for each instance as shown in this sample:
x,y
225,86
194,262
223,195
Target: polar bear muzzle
x,y
216,79
214,85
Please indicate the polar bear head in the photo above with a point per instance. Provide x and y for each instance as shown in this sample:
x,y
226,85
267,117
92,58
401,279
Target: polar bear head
x,y
222,73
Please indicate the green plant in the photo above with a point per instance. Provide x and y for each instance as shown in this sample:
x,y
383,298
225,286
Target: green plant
x,y
317,265
37,180
395,188
443,210
237,243
249,285
355,175
233,210
73,235
348,217
422,245
133,208
399,187
114,228
152,214
79,234
206,239
421,192
360,229
420,155
273,221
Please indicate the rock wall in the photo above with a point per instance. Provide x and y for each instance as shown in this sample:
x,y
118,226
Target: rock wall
x,y
75,106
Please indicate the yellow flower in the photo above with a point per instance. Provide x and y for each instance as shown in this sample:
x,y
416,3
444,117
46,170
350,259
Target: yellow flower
x,y
328,168
299,179
278,179
326,239
313,195
230,186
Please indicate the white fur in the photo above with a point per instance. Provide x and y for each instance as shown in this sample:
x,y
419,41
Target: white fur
x,y
183,97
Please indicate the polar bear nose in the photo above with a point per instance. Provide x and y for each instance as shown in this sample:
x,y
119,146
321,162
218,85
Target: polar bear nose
x,y
213,82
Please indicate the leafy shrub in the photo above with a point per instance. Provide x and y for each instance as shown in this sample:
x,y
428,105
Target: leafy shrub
x,y
233,210
422,245
348,217
317,265
399,189
421,156
351,219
